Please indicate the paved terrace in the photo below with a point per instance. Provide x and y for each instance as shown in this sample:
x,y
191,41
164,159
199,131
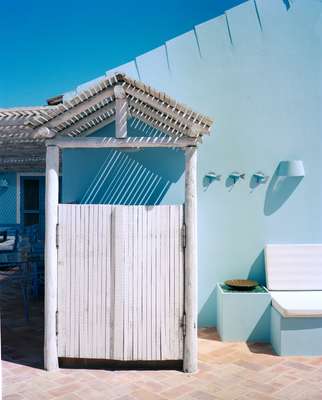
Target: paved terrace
x,y
227,370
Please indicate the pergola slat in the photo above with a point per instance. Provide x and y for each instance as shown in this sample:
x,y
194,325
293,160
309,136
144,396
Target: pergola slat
x,y
23,130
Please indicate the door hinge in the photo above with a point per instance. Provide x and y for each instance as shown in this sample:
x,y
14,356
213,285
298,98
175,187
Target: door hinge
x,y
183,325
183,235
57,323
57,235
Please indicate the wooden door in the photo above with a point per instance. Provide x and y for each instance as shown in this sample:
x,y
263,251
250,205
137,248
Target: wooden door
x,y
120,282
32,203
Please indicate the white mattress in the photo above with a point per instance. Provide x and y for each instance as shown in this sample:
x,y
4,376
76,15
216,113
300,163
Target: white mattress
x,y
298,304
293,266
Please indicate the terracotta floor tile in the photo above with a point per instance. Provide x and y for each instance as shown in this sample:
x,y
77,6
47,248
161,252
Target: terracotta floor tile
x,y
227,371
146,395
65,389
177,391
126,397
201,395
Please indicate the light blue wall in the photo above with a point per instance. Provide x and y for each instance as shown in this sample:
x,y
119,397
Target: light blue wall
x,y
150,176
257,72
8,200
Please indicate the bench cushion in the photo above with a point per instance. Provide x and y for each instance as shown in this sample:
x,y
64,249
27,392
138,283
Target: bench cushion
x,y
293,266
298,304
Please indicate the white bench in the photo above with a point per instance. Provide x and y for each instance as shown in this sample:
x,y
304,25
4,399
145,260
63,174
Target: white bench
x,y
294,279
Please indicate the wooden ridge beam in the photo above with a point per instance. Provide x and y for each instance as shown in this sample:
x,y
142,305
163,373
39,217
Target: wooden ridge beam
x,y
121,112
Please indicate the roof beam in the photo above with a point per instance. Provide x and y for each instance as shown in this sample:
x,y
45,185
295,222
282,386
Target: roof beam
x,y
121,112
109,110
162,121
43,133
71,113
130,142
184,118
15,121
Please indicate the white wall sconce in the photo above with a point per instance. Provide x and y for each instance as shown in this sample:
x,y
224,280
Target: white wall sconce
x,y
236,176
294,168
260,177
4,183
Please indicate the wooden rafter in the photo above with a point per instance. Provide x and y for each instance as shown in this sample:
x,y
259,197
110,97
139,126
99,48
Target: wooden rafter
x,y
26,129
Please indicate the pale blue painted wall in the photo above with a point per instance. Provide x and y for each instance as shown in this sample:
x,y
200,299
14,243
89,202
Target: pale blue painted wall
x,y
8,200
257,72
149,176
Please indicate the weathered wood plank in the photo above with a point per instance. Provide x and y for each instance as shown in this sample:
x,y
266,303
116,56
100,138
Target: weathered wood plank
x,y
135,142
118,245
190,361
61,290
52,184
121,112
122,267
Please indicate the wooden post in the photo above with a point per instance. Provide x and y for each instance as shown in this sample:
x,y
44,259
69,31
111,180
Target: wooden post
x,y
121,111
190,358
52,187
0,363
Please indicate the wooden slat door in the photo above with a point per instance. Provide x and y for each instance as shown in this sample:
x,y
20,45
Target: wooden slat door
x,y
120,282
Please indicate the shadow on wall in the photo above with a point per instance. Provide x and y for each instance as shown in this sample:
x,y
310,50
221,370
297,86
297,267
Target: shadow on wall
x,y
208,312
257,269
287,4
278,191
130,178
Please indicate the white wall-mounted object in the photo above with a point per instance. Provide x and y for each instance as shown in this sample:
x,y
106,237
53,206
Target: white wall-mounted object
x,y
3,183
236,176
260,177
293,266
293,168
212,176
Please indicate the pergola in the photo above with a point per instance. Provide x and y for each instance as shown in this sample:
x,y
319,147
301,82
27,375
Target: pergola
x,y
24,131
31,139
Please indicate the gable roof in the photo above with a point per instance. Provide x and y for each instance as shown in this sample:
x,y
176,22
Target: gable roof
x,y
23,131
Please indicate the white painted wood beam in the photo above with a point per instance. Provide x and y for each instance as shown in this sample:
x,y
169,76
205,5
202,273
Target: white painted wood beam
x,y
190,357
52,193
134,142
121,112
43,133
163,121
15,121
69,114
185,117
109,109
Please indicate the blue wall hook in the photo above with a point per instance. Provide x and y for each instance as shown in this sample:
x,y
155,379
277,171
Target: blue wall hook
x,y
212,176
260,177
236,176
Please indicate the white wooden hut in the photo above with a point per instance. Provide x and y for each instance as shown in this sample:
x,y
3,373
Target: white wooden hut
x,y
120,280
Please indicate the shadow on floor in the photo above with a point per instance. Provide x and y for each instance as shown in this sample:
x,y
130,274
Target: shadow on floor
x,y
256,348
261,348
21,341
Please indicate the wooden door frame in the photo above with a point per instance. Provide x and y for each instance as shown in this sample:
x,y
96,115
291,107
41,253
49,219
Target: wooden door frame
x,y
190,357
19,190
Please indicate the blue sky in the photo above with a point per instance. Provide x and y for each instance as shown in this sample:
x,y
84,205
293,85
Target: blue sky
x,y
49,47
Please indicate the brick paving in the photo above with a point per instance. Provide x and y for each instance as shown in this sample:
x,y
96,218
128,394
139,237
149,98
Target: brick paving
x,y
226,370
